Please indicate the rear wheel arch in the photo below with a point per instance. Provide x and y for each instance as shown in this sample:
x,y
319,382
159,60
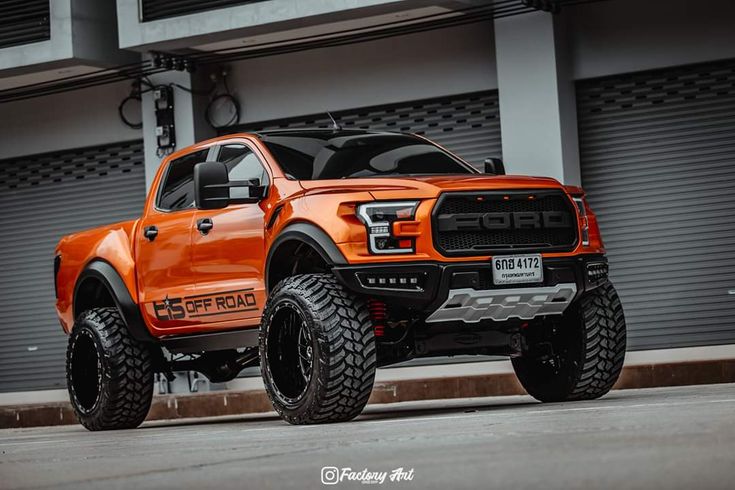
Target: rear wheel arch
x,y
100,285
301,248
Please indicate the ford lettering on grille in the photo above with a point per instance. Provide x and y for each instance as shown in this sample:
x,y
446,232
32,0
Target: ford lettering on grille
x,y
504,221
474,223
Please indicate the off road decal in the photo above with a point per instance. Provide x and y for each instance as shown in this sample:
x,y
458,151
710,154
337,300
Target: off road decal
x,y
228,302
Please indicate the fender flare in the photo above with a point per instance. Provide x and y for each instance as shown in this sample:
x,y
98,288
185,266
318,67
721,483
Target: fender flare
x,y
313,236
111,280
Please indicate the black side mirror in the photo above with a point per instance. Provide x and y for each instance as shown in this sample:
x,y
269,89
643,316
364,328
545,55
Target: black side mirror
x,y
212,187
494,166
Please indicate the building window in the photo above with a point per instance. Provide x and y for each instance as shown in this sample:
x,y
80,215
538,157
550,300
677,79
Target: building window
x,y
164,9
24,22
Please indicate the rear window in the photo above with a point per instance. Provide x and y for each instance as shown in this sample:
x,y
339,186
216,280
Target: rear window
x,y
342,155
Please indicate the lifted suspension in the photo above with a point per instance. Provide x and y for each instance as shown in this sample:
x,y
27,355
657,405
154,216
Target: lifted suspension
x,y
218,366
378,315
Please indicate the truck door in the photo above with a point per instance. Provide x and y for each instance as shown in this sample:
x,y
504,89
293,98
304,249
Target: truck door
x,y
228,249
163,249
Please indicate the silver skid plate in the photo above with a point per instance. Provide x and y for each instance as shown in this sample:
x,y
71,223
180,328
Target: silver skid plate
x,y
471,306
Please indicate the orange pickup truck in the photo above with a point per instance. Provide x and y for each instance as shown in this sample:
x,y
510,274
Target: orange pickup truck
x,y
323,254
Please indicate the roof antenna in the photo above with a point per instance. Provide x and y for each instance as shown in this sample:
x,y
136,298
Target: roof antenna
x,y
335,126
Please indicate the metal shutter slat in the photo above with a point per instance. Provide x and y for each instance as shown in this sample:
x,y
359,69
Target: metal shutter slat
x,y
52,195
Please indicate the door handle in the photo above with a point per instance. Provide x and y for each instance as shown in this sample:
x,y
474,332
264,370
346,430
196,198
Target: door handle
x,y
150,232
204,225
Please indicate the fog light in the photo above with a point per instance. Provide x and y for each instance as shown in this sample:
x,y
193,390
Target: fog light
x,y
398,282
597,271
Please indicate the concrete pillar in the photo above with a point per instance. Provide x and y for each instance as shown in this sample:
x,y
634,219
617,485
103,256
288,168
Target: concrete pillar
x,y
538,117
190,124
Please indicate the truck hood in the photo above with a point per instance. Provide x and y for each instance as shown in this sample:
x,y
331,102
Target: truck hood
x,y
427,187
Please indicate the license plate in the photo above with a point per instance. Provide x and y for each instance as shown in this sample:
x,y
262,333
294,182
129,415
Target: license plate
x,y
517,269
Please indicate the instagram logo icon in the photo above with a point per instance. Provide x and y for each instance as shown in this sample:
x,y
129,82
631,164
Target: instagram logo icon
x,y
330,475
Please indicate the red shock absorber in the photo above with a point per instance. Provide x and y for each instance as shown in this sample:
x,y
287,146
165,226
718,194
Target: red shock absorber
x,y
378,315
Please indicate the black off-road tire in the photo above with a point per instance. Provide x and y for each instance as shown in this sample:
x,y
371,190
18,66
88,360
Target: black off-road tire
x,y
109,374
341,337
588,348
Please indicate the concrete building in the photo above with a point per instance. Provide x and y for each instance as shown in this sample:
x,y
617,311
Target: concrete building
x,y
633,100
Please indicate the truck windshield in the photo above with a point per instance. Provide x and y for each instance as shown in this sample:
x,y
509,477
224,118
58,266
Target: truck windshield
x,y
316,155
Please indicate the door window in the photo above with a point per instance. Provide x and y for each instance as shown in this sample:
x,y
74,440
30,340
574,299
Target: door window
x,y
177,191
242,164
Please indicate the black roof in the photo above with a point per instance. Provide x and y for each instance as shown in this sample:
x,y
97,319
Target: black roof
x,y
332,133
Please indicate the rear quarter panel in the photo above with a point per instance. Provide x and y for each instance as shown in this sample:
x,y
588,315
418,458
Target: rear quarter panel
x,y
111,243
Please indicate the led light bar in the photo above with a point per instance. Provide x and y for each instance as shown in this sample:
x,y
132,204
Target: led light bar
x,y
399,282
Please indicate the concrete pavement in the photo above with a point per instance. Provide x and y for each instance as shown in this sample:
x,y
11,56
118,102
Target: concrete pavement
x,y
681,437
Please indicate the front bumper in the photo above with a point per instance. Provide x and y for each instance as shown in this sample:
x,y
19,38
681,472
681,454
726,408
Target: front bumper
x,y
465,291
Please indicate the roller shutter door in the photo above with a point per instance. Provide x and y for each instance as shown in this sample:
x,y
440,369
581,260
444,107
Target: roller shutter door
x,y
42,198
467,124
658,163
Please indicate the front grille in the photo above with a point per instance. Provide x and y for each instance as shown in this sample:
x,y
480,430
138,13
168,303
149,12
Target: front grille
x,y
484,222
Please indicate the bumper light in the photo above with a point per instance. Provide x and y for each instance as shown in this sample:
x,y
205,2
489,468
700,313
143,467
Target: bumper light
x,y
579,202
57,266
401,282
597,271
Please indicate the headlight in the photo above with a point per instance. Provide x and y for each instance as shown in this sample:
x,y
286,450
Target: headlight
x,y
379,217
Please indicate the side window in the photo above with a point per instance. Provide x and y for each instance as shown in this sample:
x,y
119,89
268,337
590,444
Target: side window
x,y
242,164
177,191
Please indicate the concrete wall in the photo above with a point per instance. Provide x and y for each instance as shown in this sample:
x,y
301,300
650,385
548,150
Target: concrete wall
x,y
537,104
82,32
625,36
71,120
189,121
604,38
95,33
538,59
417,66
209,26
